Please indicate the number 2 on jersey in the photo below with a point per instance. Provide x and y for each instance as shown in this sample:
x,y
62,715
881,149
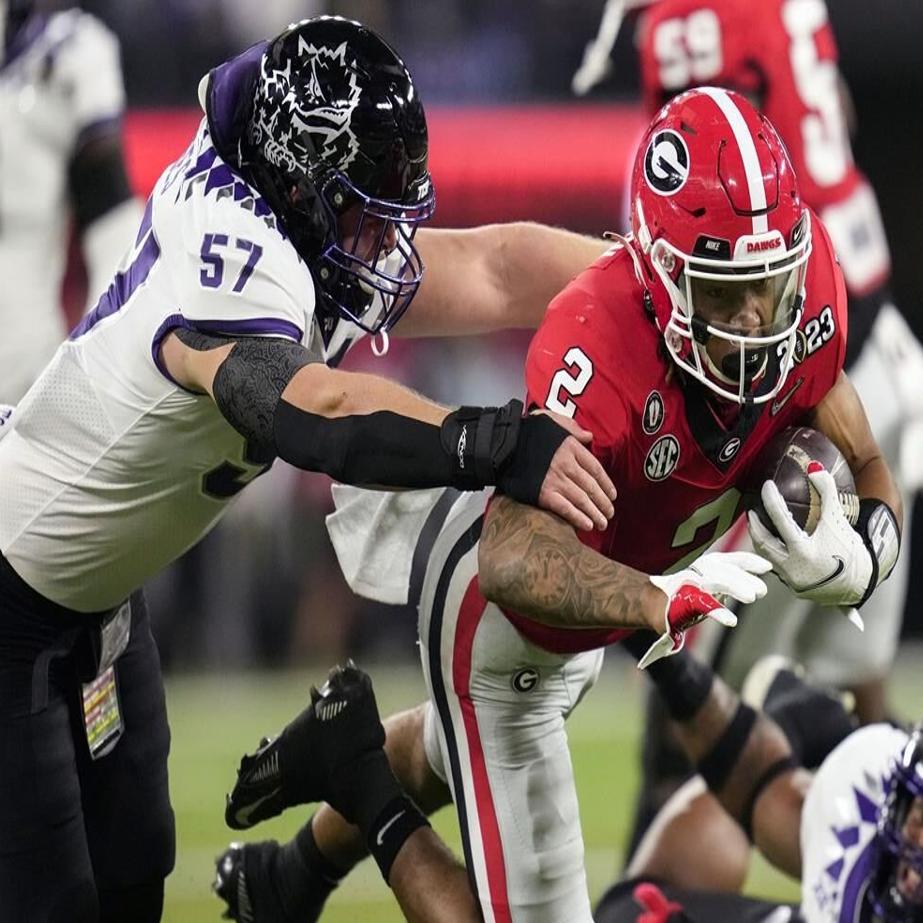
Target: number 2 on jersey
x,y
212,273
570,381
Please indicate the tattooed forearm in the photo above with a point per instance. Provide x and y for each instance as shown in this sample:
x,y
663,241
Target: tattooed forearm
x,y
251,379
532,562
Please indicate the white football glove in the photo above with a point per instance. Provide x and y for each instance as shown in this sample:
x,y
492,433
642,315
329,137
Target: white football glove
x,y
832,565
695,594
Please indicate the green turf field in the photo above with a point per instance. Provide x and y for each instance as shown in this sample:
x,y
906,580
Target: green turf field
x,y
215,718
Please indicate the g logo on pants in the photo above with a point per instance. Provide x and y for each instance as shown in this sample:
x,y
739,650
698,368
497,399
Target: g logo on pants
x,y
525,680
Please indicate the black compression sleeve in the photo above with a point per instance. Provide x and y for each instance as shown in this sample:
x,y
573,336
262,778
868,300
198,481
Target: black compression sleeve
x,y
249,383
97,178
782,765
380,448
475,447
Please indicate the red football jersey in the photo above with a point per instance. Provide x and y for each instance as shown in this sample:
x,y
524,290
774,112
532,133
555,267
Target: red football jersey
x,y
599,358
783,54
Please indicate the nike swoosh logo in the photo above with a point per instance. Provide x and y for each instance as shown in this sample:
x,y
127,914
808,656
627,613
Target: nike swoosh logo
x,y
777,405
840,567
244,814
381,833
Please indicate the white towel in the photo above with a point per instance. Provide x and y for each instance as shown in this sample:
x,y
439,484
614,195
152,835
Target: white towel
x,y
374,534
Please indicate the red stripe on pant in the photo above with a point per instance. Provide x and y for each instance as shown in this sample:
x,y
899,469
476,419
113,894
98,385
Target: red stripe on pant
x,y
469,617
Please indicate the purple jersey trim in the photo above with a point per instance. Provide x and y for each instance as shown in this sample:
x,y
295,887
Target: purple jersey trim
x,y
171,323
122,288
856,887
258,326
255,326
147,221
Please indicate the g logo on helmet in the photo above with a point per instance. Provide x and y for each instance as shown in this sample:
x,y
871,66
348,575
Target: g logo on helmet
x,y
666,163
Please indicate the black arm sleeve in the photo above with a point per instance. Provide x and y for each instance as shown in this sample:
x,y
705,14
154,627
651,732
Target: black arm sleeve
x,y
475,447
380,448
249,383
97,178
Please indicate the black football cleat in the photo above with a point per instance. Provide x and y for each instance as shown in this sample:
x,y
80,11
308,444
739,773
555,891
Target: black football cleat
x,y
306,762
257,794
249,879
231,885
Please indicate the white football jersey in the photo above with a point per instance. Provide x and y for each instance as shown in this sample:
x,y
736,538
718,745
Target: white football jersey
x,y
111,469
65,83
838,822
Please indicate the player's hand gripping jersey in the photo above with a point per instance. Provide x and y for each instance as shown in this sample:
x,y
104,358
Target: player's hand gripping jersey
x,y
783,55
678,468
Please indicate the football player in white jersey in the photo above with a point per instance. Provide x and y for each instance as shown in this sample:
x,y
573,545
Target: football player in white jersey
x,y
61,159
283,234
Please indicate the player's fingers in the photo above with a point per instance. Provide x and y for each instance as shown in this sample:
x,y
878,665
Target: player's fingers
x,y
764,541
778,511
824,483
567,482
723,617
591,464
566,463
555,502
664,646
721,578
748,561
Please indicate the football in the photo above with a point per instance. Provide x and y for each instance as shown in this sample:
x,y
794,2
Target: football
x,y
785,461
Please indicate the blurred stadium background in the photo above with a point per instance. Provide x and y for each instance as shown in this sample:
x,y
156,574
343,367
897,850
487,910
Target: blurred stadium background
x,y
259,609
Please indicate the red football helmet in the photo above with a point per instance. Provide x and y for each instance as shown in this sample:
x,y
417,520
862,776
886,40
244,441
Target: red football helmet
x,y
718,219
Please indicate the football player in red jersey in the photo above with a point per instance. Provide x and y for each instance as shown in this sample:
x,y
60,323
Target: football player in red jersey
x,y
677,347
782,54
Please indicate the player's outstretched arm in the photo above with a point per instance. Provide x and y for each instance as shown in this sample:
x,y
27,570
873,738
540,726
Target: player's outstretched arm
x,y
532,562
361,429
495,277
